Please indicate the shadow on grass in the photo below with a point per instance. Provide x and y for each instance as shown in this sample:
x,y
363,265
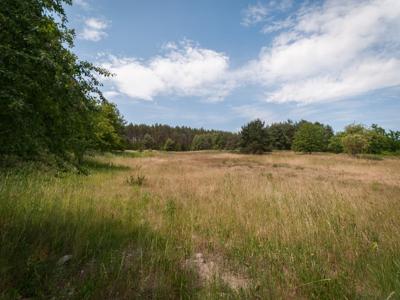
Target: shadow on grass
x,y
109,258
95,165
134,153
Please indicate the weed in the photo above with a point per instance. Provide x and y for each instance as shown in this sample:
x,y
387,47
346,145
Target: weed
x,y
136,180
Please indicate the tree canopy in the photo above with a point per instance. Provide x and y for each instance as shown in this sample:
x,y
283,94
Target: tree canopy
x,y
254,138
50,101
310,137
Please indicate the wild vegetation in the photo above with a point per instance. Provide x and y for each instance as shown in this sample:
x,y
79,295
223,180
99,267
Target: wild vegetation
x,y
203,225
179,225
50,102
257,137
158,136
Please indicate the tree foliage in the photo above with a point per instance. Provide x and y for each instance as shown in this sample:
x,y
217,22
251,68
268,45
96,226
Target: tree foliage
x,y
335,144
169,145
282,134
50,101
310,137
183,137
355,143
254,138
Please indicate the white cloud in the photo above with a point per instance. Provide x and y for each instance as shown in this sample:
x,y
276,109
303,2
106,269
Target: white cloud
x,y
111,95
82,3
333,51
94,30
259,12
254,14
325,52
182,70
255,111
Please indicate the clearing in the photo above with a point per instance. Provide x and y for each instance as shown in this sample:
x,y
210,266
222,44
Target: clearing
x,y
203,225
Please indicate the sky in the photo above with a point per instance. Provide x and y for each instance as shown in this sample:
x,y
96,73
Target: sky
x,y
218,64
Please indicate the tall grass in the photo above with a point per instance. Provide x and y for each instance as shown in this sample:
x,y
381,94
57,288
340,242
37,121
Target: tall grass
x,y
276,226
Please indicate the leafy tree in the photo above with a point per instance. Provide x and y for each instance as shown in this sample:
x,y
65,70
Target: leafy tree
x,y
355,143
282,134
148,141
335,144
327,135
49,100
254,138
378,141
394,140
169,145
182,136
310,138
355,129
202,142
109,128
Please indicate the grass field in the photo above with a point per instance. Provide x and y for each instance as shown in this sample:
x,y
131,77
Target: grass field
x,y
203,226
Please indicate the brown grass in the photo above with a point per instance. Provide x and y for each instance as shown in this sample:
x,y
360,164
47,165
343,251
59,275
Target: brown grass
x,y
273,226
281,214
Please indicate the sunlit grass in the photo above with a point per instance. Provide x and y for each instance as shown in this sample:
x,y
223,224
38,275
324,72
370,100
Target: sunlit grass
x,y
273,226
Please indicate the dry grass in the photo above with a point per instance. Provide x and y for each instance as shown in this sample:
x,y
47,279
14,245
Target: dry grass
x,y
273,226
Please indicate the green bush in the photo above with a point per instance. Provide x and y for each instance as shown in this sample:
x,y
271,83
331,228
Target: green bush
x,y
355,143
309,138
335,144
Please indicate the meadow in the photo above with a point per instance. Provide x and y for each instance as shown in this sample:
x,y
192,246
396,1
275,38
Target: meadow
x,y
203,225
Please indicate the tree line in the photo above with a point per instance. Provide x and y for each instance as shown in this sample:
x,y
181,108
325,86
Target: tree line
x,y
308,137
256,137
51,105
179,138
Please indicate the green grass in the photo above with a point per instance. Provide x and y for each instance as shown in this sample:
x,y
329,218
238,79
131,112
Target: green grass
x,y
43,218
289,225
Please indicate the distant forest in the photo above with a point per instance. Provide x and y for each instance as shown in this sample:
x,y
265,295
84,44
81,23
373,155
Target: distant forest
x,y
257,137
52,108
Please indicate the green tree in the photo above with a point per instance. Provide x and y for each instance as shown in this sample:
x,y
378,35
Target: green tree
x,y
378,141
309,138
169,145
355,129
202,142
335,144
148,141
49,100
254,138
355,143
109,128
394,140
281,135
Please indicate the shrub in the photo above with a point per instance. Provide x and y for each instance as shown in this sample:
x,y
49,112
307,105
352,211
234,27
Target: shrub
x,y
136,180
355,143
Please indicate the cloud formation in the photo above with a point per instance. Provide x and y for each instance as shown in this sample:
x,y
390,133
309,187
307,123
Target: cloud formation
x,y
184,70
263,11
94,30
336,50
82,3
322,52
254,14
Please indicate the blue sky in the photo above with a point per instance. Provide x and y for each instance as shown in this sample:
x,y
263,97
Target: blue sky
x,y
220,63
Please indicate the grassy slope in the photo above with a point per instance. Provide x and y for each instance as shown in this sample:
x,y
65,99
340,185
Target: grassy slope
x,y
274,226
